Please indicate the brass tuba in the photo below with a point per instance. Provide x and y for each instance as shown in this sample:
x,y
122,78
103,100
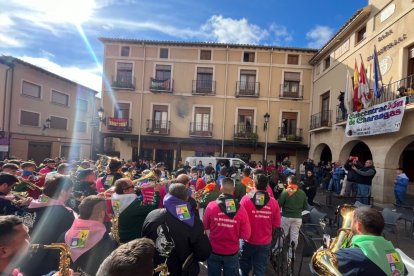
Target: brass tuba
x,y
324,261
64,262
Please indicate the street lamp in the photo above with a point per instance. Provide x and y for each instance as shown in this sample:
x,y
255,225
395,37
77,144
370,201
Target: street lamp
x,y
101,115
265,128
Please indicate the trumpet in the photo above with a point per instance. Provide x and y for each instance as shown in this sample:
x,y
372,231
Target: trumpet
x,y
19,195
64,261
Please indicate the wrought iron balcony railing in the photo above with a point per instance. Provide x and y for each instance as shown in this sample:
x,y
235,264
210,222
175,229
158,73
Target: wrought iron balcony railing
x,y
242,131
290,93
289,135
158,85
119,124
322,119
204,87
341,115
158,127
123,82
247,89
201,129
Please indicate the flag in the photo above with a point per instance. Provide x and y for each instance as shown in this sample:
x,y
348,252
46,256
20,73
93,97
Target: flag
x,y
378,86
363,89
348,99
357,102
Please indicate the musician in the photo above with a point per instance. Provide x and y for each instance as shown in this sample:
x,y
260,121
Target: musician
x,y
133,258
8,203
207,178
62,168
114,173
184,179
85,185
247,181
177,226
147,188
264,217
87,238
131,209
370,253
48,218
10,168
14,243
211,192
227,222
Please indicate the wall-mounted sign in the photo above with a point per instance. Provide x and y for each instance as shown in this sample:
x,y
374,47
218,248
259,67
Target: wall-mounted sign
x,y
390,45
385,64
387,12
381,118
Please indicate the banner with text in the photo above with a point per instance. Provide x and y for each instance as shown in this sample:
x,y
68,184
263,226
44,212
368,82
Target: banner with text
x,y
381,118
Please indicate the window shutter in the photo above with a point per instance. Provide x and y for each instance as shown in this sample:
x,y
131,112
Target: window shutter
x,y
292,76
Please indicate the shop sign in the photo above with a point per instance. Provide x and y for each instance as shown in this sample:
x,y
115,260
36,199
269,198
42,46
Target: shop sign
x,y
381,118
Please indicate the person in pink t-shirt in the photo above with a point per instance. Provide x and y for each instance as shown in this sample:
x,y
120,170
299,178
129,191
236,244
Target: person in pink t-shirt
x,y
264,216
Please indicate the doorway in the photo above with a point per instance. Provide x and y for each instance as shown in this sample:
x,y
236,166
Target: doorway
x,y
38,151
166,156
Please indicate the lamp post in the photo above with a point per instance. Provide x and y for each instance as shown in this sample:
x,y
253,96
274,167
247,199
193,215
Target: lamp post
x,y
101,115
265,128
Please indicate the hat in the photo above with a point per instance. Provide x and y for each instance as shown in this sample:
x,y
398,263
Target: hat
x,y
8,178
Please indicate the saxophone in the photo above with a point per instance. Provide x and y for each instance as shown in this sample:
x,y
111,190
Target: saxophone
x,y
324,261
64,262
115,228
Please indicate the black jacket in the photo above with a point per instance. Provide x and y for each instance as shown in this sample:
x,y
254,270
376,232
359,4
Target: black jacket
x,y
89,262
48,224
310,182
7,207
365,175
352,175
188,240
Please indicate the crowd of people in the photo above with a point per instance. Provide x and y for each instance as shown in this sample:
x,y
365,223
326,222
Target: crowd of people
x,y
116,218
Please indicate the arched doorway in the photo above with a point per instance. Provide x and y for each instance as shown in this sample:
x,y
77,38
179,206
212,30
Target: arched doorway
x,y
355,148
407,160
322,152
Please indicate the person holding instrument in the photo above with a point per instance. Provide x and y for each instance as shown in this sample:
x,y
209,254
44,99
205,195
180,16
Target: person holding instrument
x,y
8,203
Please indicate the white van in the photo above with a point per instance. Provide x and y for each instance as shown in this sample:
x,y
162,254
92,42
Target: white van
x,y
229,162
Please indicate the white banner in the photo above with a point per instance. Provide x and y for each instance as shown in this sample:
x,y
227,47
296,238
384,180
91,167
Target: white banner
x,y
381,118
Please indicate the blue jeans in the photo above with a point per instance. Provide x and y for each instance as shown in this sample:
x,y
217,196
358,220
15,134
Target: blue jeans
x,y
256,256
400,198
230,265
337,186
364,193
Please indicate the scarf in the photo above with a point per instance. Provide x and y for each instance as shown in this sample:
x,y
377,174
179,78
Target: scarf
x,y
45,201
248,183
228,205
83,235
381,252
259,198
179,209
291,189
210,187
121,202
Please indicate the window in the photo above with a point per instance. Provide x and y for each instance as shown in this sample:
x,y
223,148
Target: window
x,y
162,80
122,111
247,82
58,122
60,98
163,72
325,109
204,79
80,126
360,35
160,116
125,51
124,74
82,105
293,59
248,56
289,123
202,119
245,121
28,118
31,89
291,82
327,63
205,55
164,53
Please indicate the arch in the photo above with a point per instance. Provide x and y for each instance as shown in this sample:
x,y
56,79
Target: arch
x,y
355,148
322,152
395,155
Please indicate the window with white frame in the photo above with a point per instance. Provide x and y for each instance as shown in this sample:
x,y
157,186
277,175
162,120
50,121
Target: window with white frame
x,y
291,82
202,119
125,51
124,74
31,89
28,118
60,98
164,53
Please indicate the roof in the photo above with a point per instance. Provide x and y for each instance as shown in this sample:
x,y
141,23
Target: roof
x,y
10,61
204,44
360,14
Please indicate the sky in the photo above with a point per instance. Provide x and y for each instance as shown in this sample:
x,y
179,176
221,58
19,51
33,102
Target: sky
x,y
62,35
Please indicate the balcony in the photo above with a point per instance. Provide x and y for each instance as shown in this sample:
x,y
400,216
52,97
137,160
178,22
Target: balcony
x,y
123,82
157,85
290,135
341,116
400,88
204,87
244,132
286,93
119,124
247,89
201,130
158,127
322,120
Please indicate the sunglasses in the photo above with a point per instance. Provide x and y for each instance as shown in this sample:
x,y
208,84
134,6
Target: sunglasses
x,y
129,187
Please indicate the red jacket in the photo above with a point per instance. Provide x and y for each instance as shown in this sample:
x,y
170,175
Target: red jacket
x,y
225,232
262,221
